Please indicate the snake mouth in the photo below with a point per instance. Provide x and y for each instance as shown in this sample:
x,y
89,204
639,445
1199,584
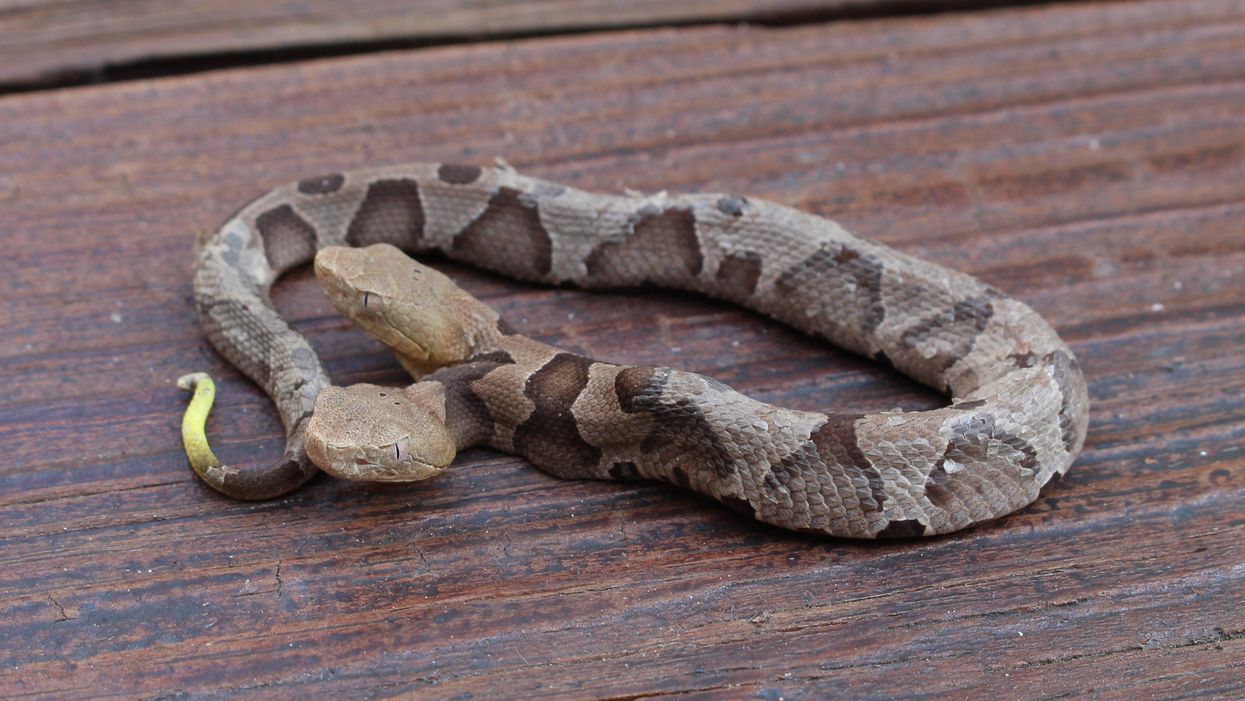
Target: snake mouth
x,y
404,344
347,463
412,471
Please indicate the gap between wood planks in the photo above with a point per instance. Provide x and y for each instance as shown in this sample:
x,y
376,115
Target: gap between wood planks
x,y
174,64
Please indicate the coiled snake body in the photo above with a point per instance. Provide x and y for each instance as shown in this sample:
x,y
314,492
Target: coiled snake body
x,y
1017,417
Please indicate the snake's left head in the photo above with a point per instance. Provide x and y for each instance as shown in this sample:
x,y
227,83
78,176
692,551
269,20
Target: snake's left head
x,y
415,310
377,434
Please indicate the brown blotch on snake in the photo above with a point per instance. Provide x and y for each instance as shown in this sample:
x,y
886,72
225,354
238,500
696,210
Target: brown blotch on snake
x,y
836,442
682,434
504,328
391,212
664,242
508,237
1011,428
288,238
975,439
456,174
954,329
737,275
466,414
633,384
1067,374
550,436
854,308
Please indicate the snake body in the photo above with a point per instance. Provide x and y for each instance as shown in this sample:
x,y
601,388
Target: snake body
x,y
1019,402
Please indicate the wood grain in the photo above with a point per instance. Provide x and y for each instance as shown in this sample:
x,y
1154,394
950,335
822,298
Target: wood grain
x,y
43,41
1089,160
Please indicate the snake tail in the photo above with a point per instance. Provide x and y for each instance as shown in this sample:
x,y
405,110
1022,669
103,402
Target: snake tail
x,y
271,482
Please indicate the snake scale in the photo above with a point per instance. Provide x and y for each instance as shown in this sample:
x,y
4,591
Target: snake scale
x,y
1019,404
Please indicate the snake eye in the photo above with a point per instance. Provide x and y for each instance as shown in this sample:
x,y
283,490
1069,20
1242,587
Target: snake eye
x,y
371,302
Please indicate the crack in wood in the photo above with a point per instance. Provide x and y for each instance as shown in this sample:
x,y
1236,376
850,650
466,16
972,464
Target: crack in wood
x,y
384,38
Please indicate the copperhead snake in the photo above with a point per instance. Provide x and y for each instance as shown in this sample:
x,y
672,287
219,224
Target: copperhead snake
x,y
1019,404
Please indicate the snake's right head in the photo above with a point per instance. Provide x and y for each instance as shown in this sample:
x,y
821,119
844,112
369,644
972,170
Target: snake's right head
x,y
376,434
372,433
415,310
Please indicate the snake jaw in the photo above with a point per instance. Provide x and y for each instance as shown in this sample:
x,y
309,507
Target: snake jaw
x,y
365,470
400,342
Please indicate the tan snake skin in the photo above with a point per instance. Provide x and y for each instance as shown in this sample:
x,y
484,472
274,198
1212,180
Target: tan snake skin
x,y
1017,419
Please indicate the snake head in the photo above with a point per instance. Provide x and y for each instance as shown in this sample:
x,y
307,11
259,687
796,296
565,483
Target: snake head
x,y
376,434
415,310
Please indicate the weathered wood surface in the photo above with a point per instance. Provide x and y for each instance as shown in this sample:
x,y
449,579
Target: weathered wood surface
x,y
1089,160
43,41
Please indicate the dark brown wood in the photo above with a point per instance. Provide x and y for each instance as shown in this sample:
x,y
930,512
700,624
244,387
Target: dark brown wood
x,y
42,42
1090,160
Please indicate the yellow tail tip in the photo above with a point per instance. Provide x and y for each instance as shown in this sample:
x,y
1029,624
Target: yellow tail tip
x,y
190,381
194,422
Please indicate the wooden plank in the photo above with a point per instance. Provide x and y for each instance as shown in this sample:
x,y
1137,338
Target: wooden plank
x,y
1088,159
42,41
